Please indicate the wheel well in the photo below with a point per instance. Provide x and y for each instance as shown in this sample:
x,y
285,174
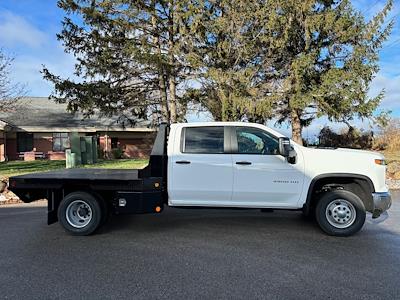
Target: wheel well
x,y
360,185
104,197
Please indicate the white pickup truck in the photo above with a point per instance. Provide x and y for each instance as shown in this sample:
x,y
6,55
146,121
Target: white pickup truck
x,y
220,164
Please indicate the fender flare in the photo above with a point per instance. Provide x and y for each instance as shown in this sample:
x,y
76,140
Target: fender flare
x,y
307,205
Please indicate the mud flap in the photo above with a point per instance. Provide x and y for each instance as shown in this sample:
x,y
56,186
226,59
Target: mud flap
x,y
54,199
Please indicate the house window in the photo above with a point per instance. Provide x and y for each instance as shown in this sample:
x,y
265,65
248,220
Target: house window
x,y
24,142
114,143
60,142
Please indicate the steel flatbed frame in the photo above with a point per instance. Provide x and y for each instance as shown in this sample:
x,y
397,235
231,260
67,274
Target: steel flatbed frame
x,y
122,191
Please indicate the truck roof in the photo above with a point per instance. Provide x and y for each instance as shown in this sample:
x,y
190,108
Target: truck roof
x,y
247,124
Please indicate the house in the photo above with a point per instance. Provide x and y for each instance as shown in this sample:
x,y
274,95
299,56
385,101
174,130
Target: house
x,y
43,127
2,140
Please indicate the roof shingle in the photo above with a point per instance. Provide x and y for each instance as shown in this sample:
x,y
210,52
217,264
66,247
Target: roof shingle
x,y
45,113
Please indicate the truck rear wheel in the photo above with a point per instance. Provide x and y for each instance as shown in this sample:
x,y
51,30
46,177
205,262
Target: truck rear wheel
x,y
340,213
80,213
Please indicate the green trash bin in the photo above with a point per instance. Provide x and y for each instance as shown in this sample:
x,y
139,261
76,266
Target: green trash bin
x,y
89,149
76,147
70,159
83,151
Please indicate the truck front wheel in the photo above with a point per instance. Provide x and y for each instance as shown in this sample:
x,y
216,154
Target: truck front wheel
x,y
80,213
340,213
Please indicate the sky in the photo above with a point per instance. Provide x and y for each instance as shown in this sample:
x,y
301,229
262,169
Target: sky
x,y
28,31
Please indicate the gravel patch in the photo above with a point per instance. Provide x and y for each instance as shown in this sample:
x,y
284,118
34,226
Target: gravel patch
x,y
393,184
8,197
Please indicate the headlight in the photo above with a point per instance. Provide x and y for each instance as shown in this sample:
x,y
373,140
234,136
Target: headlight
x,y
381,162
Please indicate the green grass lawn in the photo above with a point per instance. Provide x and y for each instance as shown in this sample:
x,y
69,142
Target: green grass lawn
x,y
14,168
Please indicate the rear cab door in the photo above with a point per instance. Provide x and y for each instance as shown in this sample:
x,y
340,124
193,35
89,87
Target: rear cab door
x,y
199,166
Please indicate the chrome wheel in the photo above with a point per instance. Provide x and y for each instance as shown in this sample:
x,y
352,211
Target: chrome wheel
x,y
78,214
340,213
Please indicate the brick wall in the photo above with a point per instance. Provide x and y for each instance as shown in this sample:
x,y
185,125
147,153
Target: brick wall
x,y
43,142
134,144
104,143
56,155
136,148
2,157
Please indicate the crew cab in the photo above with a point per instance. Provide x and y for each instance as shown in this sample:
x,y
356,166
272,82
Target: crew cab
x,y
220,164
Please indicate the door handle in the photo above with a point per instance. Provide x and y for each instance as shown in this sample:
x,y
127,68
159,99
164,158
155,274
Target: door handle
x,y
243,163
183,162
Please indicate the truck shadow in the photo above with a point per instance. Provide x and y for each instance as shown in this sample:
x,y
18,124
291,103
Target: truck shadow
x,y
281,236
244,222
224,221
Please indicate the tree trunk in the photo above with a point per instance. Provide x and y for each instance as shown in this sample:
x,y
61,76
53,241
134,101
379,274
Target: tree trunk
x,y
296,127
172,75
164,99
161,80
172,98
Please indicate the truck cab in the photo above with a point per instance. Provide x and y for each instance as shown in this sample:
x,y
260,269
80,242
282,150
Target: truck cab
x,y
231,165
221,164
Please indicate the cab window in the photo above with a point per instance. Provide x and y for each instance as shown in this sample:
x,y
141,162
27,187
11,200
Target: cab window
x,y
256,141
205,140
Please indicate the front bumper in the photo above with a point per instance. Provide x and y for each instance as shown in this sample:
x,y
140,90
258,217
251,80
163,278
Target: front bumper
x,y
382,202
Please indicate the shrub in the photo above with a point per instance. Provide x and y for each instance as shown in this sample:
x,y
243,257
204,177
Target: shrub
x,y
100,153
389,137
117,153
351,138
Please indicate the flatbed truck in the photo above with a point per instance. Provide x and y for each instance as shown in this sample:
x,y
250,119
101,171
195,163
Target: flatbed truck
x,y
214,165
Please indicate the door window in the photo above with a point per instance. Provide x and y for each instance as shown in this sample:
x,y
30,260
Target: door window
x,y
256,141
206,140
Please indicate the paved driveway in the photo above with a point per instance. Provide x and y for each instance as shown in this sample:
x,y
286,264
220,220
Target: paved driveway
x,y
200,253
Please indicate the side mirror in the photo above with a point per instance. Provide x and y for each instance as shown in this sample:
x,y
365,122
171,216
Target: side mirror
x,y
292,158
284,146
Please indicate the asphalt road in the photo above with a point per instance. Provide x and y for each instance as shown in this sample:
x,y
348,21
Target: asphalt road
x,y
182,254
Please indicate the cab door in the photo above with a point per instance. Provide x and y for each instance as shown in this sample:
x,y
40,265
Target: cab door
x,y
201,171
262,177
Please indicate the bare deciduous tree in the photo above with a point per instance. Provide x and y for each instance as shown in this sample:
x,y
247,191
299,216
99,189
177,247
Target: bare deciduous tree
x,y
10,93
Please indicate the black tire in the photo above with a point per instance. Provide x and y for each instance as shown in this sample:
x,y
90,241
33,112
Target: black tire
x,y
87,203
352,215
